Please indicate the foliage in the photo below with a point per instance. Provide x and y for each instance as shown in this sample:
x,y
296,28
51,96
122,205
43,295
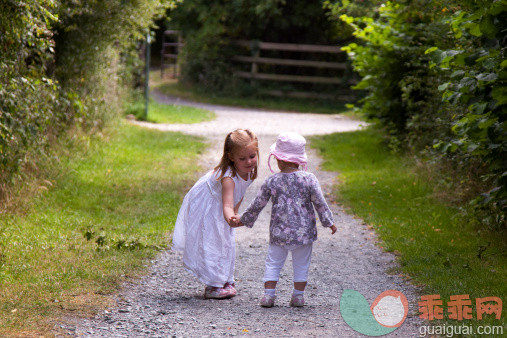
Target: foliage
x,y
97,46
60,62
337,8
208,28
434,72
28,96
390,57
474,74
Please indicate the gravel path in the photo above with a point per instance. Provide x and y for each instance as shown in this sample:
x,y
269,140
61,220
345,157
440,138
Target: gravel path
x,y
169,302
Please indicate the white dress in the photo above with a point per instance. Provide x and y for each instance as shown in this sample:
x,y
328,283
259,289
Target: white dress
x,y
202,233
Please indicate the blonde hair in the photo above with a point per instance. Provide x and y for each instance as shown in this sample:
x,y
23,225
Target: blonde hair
x,y
235,140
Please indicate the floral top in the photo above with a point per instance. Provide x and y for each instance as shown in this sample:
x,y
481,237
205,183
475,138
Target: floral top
x,y
293,219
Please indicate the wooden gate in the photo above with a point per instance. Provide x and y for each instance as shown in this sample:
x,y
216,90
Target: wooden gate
x,y
255,59
171,45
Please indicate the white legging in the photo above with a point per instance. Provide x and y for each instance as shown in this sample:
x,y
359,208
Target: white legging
x,y
301,257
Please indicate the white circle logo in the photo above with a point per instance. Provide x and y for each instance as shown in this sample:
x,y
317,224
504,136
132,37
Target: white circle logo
x,y
390,308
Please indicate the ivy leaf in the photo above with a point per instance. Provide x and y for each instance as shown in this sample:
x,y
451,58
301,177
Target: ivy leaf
x,y
453,52
486,123
497,8
430,50
467,83
472,147
479,108
444,86
438,56
475,29
458,73
500,95
487,77
489,63
487,26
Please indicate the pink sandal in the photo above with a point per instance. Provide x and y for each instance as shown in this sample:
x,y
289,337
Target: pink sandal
x,y
230,288
211,292
297,301
268,301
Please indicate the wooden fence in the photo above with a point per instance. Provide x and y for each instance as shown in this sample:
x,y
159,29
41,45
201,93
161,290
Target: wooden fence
x,y
255,59
171,45
170,50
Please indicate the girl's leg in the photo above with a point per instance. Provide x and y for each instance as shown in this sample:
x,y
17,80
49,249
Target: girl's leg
x,y
270,284
301,258
230,285
274,263
300,286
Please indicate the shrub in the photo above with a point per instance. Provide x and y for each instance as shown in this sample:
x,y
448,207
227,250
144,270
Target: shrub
x,y
208,28
473,87
390,57
435,77
63,63
30,101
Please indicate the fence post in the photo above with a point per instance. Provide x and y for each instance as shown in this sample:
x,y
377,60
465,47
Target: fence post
x,y
162,51
177,52
147,77
256,52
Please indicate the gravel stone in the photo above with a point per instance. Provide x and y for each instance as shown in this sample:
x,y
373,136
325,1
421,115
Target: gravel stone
x,y
168,302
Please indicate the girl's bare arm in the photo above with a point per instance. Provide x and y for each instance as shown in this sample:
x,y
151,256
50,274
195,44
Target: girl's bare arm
x,y
228,198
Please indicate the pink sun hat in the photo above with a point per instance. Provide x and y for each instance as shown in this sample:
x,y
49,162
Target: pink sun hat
x,y
289,147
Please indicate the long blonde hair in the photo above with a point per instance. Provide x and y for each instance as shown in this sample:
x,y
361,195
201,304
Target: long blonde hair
x,y
235,140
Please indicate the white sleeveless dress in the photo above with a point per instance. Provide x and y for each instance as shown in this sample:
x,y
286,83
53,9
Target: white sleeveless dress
x,y
203,235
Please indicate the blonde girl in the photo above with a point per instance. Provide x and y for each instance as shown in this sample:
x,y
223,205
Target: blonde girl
x,y
202,230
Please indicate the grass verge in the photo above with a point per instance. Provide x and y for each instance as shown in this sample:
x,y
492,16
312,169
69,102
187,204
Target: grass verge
x,y
92,226
174,88
436,248
165,113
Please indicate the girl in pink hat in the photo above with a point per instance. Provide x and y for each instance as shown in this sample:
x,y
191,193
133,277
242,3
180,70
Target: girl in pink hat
x,y
202,231
294,193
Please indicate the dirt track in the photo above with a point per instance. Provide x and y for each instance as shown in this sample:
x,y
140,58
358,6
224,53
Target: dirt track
x,y
168,301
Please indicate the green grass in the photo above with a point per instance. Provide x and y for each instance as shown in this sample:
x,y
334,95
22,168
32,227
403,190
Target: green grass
x,y
174,88
123,191
436,248
164,113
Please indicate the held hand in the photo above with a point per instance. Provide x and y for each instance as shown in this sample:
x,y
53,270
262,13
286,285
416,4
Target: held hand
x,y
333,229
235,221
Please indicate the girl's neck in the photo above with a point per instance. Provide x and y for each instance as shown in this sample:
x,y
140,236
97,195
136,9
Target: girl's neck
x,y
243,176
287,169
